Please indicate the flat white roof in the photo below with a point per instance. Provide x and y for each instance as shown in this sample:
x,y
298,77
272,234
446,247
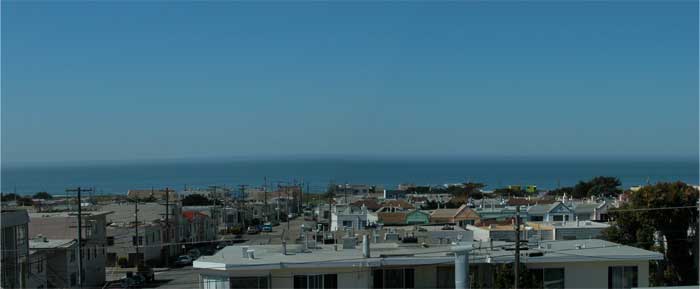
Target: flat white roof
x,y
270,257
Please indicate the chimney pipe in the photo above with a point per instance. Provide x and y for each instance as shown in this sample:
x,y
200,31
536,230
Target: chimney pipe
x,y
365,246
284,247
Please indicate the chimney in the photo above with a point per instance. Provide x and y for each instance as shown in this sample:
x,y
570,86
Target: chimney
x,y
251,254
284,247
365,246
244,251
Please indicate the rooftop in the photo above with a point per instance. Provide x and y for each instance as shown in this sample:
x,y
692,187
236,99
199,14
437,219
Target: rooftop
x,y
268,257
39,243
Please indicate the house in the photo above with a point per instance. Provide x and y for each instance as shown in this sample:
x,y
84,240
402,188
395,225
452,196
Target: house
x,y
63,226
370,204
60,259
344,216
215,218
460,216
392,218
592,211
577,230
559,264
36,270
556,211
394,194
122,243
199,227
154,231
396,205
15,248
502,232
417,217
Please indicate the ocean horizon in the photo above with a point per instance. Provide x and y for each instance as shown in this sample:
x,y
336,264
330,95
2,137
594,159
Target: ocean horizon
x,y
117,177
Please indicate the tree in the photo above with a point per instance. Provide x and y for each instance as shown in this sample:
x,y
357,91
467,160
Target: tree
x,y
43,195
666,208
196,200
561,191
598,186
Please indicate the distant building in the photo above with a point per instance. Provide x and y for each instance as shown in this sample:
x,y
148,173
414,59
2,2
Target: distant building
x,y
351,217
557,211
461,216
15,248
151,195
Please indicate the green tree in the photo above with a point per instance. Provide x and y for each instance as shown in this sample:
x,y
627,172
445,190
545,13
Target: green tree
x,y
43,195
667,208
196,200
598,186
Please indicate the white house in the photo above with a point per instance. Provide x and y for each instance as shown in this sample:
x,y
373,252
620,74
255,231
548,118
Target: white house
x,y
344,216
561,264
557,211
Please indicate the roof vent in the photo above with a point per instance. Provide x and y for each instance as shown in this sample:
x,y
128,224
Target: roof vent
x,y
244,252
251,254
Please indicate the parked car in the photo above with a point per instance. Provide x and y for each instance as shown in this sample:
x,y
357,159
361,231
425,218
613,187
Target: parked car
x,y
267,227
184,260
132,280
194,253
252,230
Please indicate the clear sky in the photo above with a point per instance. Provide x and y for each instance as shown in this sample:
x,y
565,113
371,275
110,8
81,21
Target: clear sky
x,y
111,81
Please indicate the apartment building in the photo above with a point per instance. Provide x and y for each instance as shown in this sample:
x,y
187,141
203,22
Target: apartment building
x,y
15,248
559,264
60,261
64,226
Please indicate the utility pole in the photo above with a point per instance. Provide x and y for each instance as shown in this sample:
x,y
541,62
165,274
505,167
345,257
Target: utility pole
x,y
345,192
517,245
79,190
136,228
286,193
239,205
167,225
265,209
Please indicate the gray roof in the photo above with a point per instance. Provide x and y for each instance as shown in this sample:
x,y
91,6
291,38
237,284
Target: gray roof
x,y
586,208
124,212
50,244
269,257
541,209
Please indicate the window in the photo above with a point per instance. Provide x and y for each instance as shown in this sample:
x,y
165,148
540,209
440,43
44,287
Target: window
x,y
249,282
215,282
553,278
622,277
88,254
73,279
546,277
40,266
325,281
393,278
445,277
72,256
347,224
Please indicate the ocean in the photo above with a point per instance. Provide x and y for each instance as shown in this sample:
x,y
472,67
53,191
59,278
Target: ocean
x,y
118,177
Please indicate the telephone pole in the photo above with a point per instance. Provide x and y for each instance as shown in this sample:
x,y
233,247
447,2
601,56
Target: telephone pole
x,y
517,245
80,190
136,228
167,225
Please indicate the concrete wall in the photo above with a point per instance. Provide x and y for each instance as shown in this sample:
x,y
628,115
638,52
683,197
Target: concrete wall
x,y
595,274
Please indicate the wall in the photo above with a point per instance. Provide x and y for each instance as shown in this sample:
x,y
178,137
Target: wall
x,y
595,274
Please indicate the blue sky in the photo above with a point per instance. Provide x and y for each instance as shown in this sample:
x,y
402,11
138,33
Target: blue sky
x,y
111,81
